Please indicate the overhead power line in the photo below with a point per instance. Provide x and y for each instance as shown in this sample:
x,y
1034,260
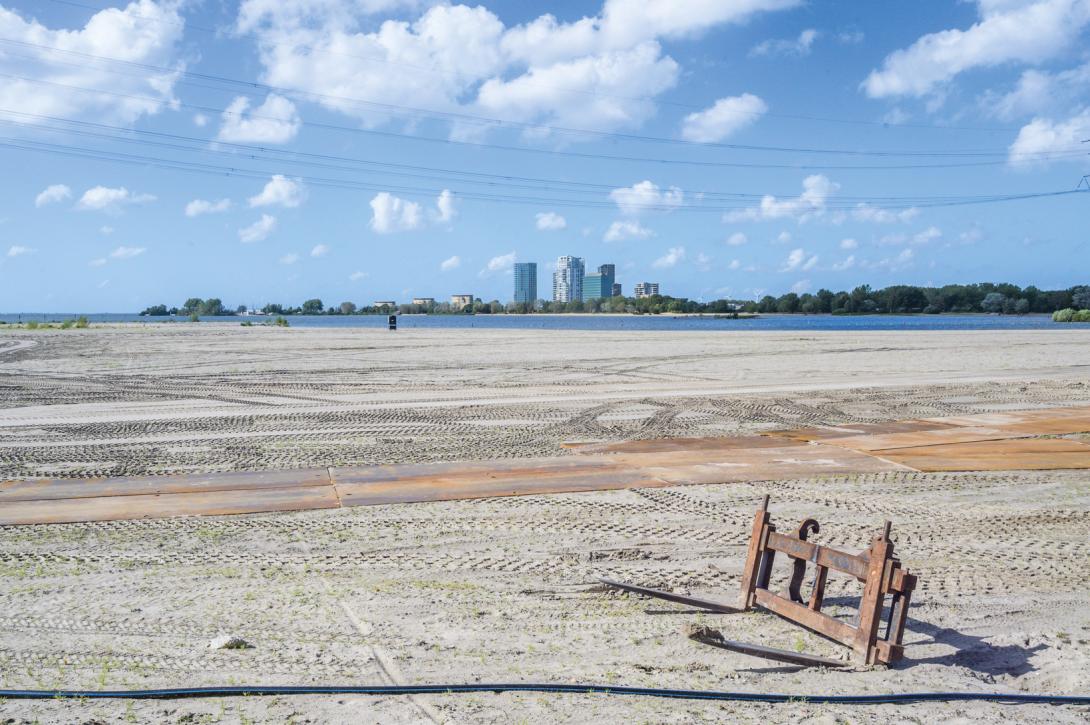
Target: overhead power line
x,y
396,109
533,150
331,161
234,171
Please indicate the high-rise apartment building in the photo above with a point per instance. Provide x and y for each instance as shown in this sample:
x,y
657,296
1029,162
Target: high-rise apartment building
x,y
568,279
526,282
647,289
600,285
617,289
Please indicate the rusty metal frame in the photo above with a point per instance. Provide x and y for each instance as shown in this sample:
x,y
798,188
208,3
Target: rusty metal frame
x,y
877,568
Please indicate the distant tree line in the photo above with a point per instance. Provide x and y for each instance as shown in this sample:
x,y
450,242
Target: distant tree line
x,y
1007,299
1000,298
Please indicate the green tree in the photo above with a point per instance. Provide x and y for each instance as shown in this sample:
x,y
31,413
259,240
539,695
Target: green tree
x,y
348,308
859,296
788,303
313,307
993,302
212,306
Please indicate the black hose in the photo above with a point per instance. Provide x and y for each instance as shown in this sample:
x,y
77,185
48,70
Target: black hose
x,y
266,690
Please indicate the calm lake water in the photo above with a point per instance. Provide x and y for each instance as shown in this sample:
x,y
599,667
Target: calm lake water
x,y
613,322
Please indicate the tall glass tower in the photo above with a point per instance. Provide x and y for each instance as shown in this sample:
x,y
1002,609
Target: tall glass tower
x,y
596,286
568,279
526,282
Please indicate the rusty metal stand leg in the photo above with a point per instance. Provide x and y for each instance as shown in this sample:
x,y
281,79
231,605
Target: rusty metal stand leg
x,y
749,574
817,596
870,607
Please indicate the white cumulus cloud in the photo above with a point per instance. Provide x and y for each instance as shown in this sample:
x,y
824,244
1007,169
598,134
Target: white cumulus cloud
x,y
496,265
670,259
798,259
144,32
281,191
844,264
52,194
646,195
1039,92
319,250
798,47
17,250
290,258
927,236
1008,31
444,207
102,198
197,207
816,190
550,221
257,231
551,94
892,264
127,252
273,122
1043,140
393,214
864,212
601,72
620,230
736,240
725,117
450,263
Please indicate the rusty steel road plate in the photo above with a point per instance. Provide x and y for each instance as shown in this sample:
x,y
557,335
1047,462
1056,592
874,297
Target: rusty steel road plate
x,y
983,442
157,506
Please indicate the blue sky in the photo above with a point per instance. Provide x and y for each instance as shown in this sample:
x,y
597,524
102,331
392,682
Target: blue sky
x,y
270,150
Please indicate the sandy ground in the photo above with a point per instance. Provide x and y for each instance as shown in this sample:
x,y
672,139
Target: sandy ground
x,y
504,589
180,398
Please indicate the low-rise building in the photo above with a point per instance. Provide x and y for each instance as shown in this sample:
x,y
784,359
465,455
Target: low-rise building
x,y
461,300
647,289
424,301
384,303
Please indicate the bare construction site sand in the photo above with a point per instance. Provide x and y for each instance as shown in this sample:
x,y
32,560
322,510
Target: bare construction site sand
x,y
504,589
